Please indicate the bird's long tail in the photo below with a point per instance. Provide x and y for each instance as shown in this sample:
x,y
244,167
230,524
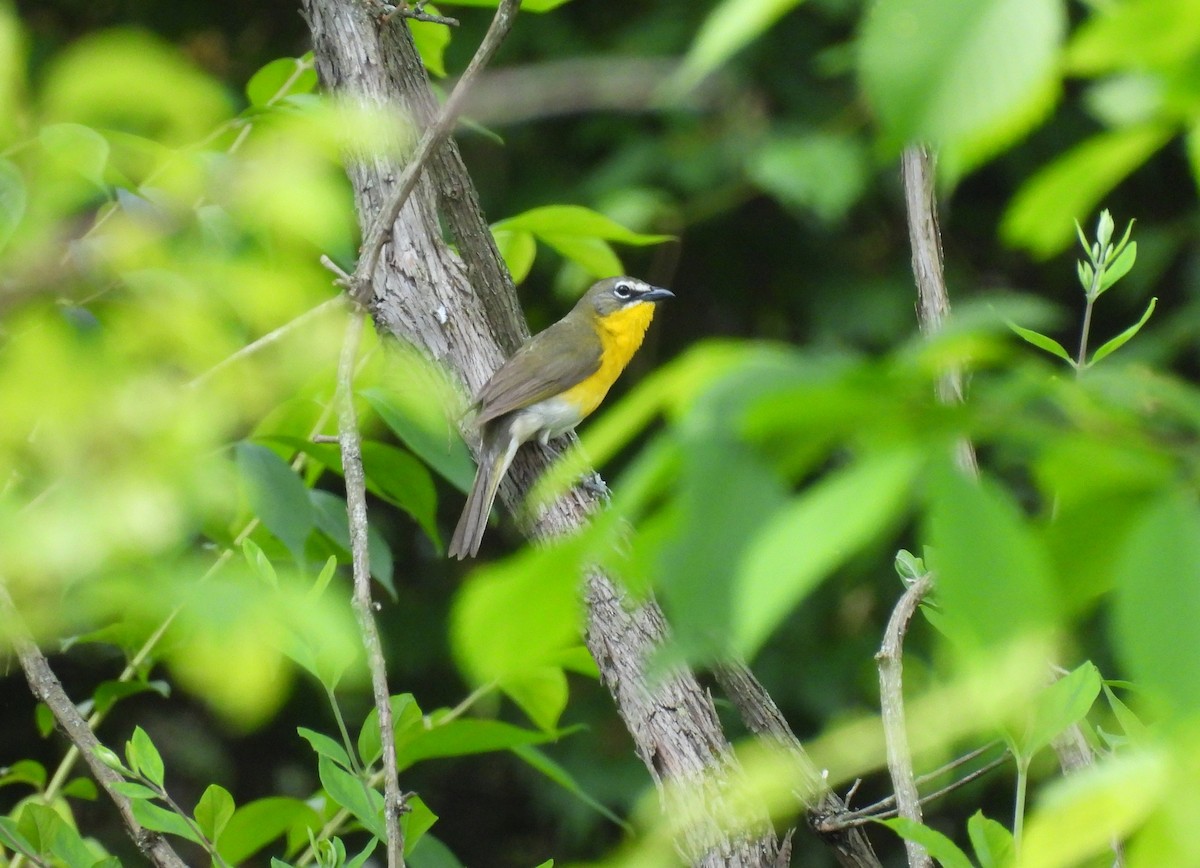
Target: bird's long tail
x,y
496,458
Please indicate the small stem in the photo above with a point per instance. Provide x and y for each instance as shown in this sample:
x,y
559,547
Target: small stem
x,y
208,845
1019,810
341,725
1081,362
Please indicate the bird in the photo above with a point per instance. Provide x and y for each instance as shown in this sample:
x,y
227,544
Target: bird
x,y
554,381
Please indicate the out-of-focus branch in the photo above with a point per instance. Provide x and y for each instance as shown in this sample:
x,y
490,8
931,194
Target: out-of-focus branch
x,y
891,701
46,687
763,718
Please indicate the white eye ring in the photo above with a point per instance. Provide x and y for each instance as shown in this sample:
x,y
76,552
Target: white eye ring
x,y
622,291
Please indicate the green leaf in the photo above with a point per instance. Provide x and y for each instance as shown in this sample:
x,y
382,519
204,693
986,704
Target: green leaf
x,y
939,846
813,535
158,819
728,28
994,575
329,511
431,41
76,148
463,737
519,249
135,790
1157,604
11,837
361,859
415,419
1079,816
276,495
813,172
326,746
540,693
993,843
430,852
109,758
60,838
1131,726
258,561
365,803
109,693
258,823
81,788
575,221
1042,342
1138,34
402,480
44,718
12,201
279,78
1123,338
1040,216
593,255
143,757
416,822
563,778
214,811
405,714
526,5
969,78
24,772
1063,703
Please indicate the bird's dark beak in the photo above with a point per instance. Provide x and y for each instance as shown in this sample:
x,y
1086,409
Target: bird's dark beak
x,y
657,293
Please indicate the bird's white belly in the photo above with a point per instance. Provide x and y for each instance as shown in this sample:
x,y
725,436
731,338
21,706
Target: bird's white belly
x,y
552,417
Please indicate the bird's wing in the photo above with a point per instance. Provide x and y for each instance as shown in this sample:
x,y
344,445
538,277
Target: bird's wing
x,y
521,382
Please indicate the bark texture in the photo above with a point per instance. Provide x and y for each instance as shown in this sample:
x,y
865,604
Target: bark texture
x,y
460,309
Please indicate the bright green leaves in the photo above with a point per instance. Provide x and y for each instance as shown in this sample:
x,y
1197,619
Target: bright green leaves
x,y
130,81
935,843
969,78
12,201
526,5
994,578
281,78
1158,601
578,234
1142,34
815,533
730,27
1062,704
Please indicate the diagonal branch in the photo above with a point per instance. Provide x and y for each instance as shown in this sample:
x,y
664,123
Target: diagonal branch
x,y
46,687
435,135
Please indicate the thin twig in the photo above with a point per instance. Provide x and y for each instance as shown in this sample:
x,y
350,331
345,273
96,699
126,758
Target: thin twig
x,y
46,687
356,509
416,13
933,301
891,701
434,137
264,341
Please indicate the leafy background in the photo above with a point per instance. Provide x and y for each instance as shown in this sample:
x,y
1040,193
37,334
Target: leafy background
x,y
763,137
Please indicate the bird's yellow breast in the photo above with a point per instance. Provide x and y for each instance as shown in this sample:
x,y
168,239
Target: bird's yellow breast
x,y
621,333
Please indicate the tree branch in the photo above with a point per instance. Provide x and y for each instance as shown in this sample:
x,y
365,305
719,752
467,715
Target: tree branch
x,y
46,687
763,718
435,135
458,306
891,700
356,510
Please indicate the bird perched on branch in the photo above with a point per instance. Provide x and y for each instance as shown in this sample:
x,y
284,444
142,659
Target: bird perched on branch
x,y
551,384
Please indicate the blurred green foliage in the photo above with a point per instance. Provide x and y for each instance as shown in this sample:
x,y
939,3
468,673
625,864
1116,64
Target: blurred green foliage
x,y
172,524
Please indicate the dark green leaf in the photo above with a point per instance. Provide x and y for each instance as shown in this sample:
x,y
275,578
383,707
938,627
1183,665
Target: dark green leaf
x,y
365,803
329,510
159,819
817,172
405,714
1124,337
110,693
24,772
430,852
939,846
426,432
276,495
362,857
81,788
258,823
143,756
60,838
11,837
214,811
562,777
135,790
44,718
463,737
416,822
402,480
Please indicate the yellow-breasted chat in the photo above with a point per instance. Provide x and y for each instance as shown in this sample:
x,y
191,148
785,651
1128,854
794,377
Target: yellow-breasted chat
x,y
554,381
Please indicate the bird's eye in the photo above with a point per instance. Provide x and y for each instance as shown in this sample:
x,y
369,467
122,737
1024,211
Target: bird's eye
x,y
622,291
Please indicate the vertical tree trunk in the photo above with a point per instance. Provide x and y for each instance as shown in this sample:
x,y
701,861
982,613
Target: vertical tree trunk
x,y
460,309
